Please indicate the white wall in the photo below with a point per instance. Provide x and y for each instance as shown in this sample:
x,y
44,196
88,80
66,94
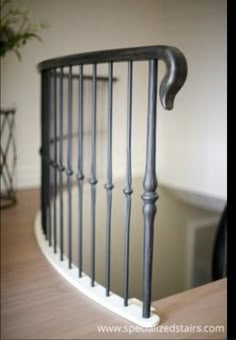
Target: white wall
x,y
194,150
191,139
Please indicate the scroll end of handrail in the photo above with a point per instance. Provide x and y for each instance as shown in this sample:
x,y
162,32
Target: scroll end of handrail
x,y
167,101
174,78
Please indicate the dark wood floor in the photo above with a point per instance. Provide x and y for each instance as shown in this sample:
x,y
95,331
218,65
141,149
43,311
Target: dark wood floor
x,y
36,303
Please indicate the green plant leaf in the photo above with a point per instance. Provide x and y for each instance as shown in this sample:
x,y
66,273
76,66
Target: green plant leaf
x,y
16,28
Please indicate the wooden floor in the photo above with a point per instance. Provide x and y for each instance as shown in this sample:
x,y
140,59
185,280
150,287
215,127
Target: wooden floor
x,y
36,303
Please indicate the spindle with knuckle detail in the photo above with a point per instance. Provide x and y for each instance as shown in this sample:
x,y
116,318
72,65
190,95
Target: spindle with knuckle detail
x,y
56,107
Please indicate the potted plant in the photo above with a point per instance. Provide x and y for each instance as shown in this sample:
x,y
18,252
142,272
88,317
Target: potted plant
x,y
16,28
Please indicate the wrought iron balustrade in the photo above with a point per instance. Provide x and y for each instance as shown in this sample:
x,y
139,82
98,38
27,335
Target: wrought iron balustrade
x,y
53,112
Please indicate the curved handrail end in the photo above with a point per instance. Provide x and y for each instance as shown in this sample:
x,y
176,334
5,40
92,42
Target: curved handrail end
x,y
175,76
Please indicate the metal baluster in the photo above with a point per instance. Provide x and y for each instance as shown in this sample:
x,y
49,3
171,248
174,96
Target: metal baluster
x,y
43,159
61,167
47,152
128,183
80,175
109,185
69,167
49,156
150,185
55,159
93,179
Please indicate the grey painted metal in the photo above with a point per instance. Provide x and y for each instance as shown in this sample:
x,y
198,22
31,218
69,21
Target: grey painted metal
x,y
128,182
47,156
176,72
80,175
50,162
149,185
47,133
55,165
69,171
175,61
109,185
47,150
93,179
42,153
44,147
46,129
61,167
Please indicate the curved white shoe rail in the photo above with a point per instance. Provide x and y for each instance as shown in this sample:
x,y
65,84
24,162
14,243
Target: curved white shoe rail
x,y
133,312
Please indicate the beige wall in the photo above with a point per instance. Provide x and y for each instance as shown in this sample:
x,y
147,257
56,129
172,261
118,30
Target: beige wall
x,y
191,139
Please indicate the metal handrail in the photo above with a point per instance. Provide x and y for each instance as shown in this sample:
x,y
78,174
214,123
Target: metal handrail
x,y
174,59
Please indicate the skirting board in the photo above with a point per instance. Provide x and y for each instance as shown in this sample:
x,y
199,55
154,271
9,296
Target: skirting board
x,y
133,312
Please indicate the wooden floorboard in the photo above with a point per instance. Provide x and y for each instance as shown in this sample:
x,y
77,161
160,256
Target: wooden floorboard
x,y
36,303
